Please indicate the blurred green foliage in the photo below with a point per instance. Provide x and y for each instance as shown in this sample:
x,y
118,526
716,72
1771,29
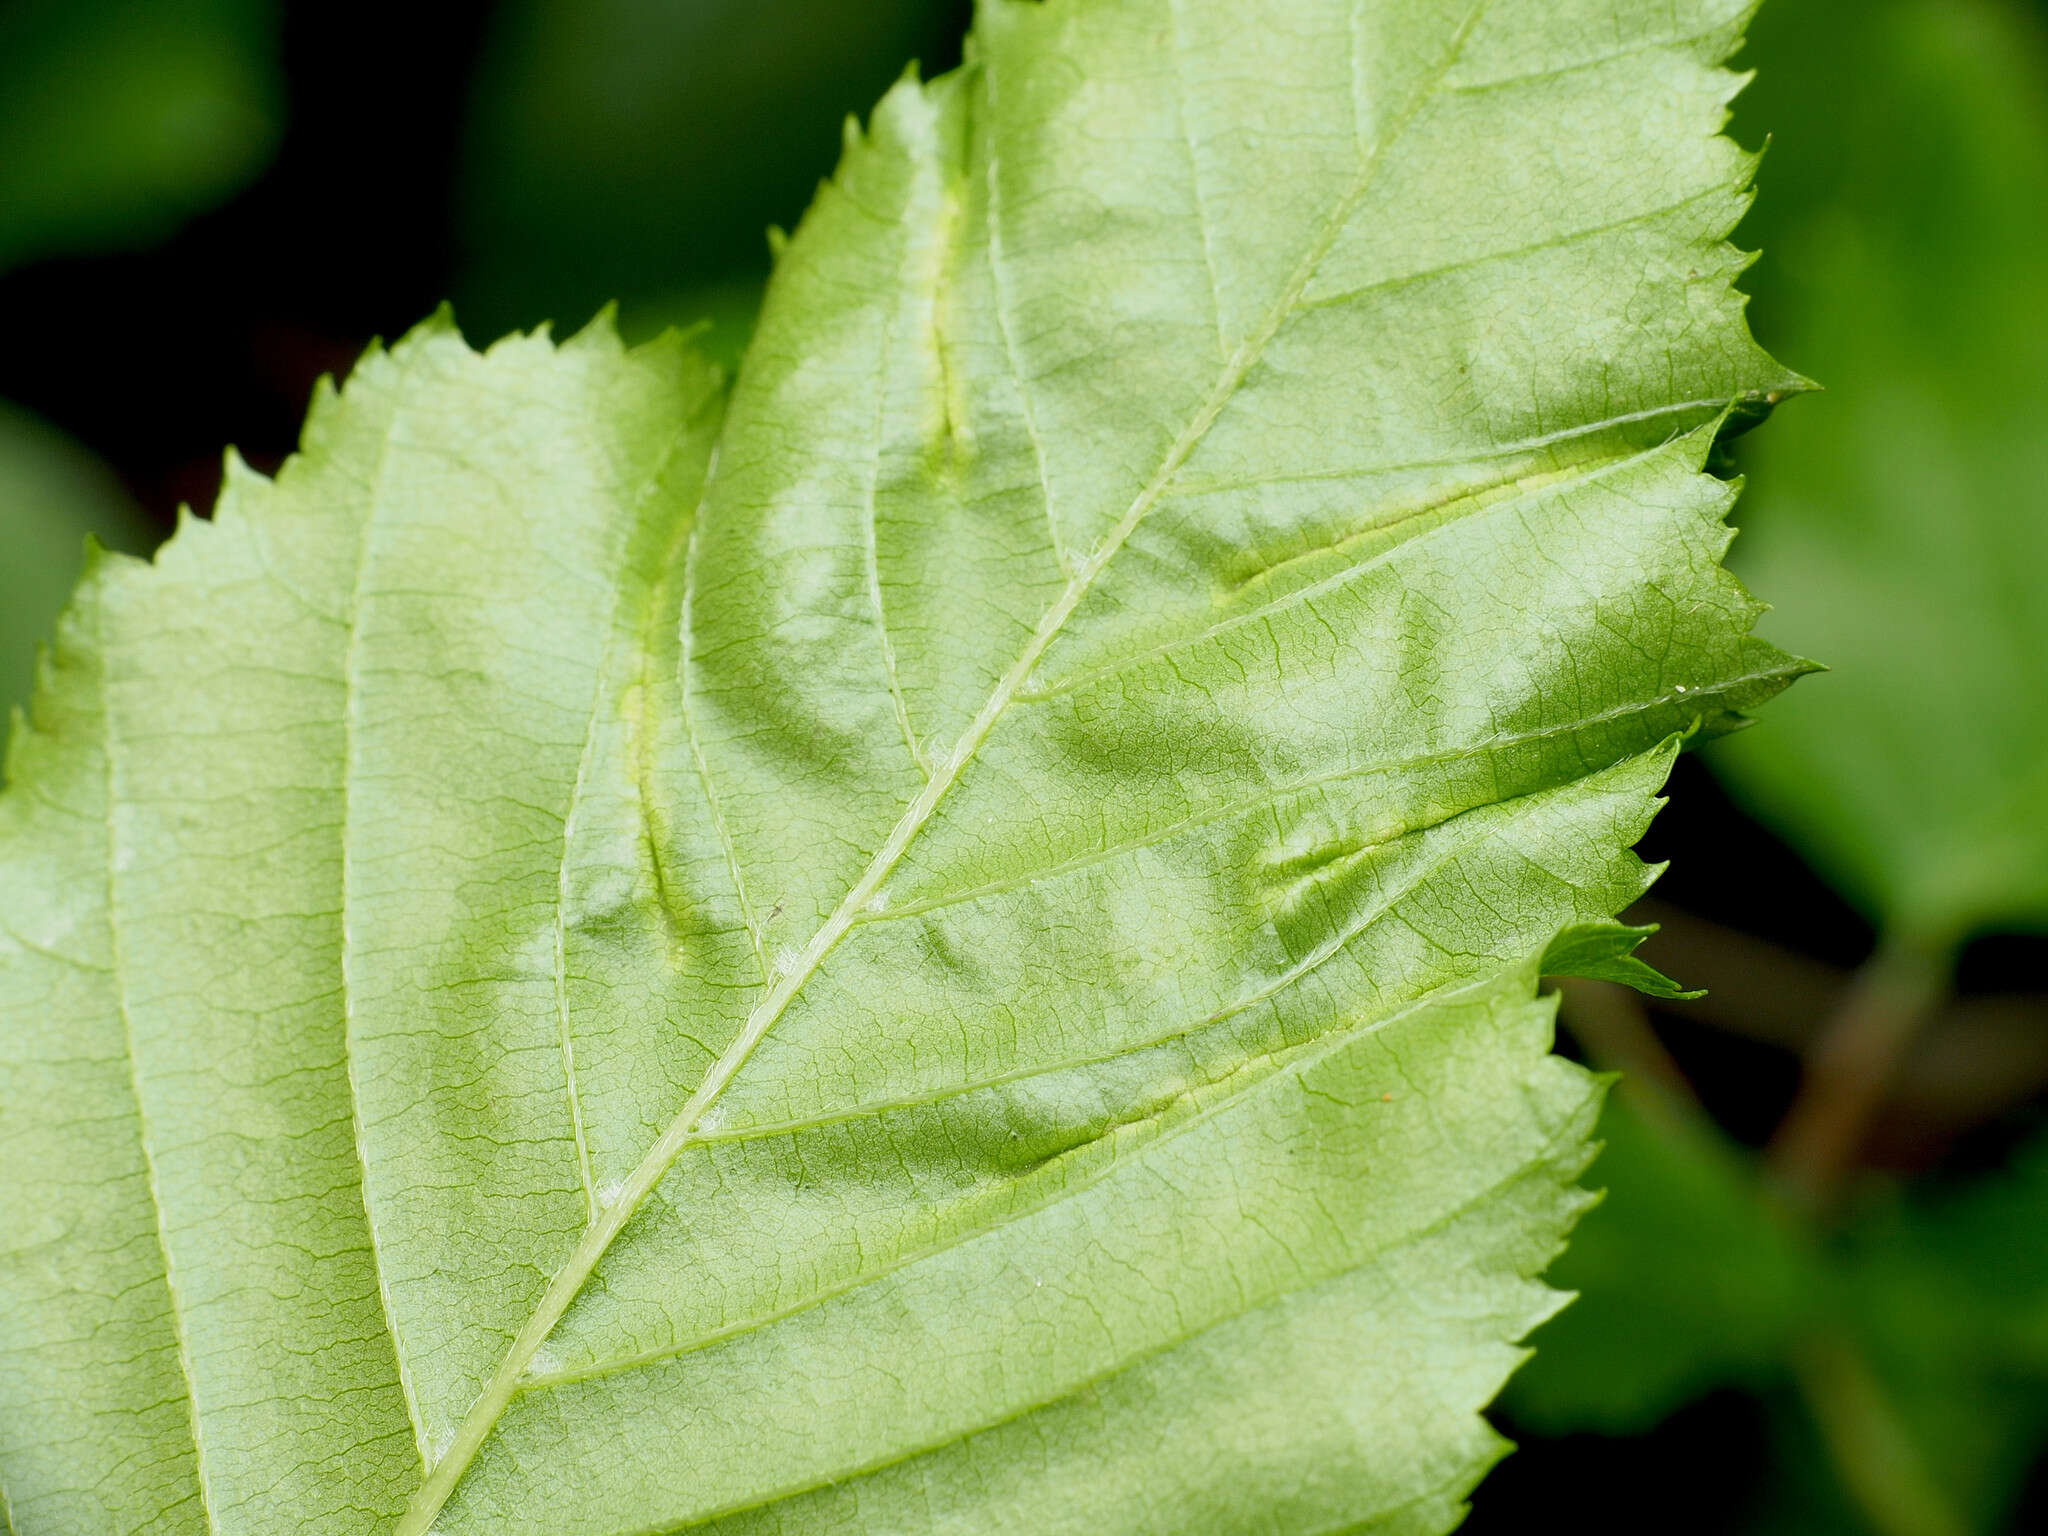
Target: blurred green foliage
x,y
1900,521
52,493
119,118
1686,1285
638,150
1691,1280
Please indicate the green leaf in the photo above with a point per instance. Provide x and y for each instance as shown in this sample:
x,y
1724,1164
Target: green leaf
x,y
1607,952
53,494
950,943
120,118
1902,519
1950,1288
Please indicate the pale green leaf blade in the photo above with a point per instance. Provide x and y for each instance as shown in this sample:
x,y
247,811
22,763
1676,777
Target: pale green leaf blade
x,y
1070,874
228,729
95,1427
1152,1370
224,754
875,971
481,691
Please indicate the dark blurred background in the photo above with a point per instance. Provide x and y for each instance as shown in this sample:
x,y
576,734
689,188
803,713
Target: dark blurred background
x,y
1817,1299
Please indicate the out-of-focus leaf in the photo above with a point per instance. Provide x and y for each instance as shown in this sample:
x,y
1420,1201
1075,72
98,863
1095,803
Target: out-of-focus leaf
x,y
1901,519
1689,1283
1685,1284
638,150
52,495
1987,1242
1950,1291
118,118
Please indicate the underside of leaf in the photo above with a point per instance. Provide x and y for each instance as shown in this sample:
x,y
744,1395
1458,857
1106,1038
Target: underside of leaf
x,y
945,940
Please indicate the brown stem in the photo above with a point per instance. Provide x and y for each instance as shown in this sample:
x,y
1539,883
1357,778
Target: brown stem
x,y
1756,989
1851,1066
1975,1059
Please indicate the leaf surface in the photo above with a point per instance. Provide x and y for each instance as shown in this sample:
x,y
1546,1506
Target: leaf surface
x,y
950,943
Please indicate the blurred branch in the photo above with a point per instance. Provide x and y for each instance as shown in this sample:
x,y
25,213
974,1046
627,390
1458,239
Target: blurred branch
x,y
1611,1024
1974,1059
1850,1067
1755,988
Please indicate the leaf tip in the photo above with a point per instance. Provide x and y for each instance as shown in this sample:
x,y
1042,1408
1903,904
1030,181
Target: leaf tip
x,y
1607,952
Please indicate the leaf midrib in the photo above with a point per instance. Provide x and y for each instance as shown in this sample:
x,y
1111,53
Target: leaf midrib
x,y
568,1283
1247,1074
1279,1057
